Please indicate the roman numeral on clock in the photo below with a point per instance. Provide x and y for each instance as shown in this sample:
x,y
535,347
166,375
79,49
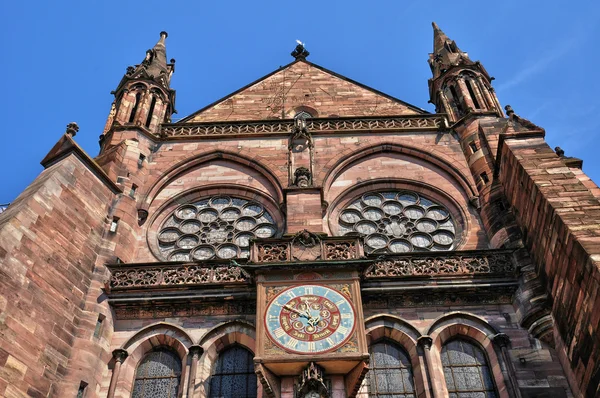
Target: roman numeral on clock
x,y
292,343
330,341
340,302
346,316
308,290
279,332
311,346
342,330
291,294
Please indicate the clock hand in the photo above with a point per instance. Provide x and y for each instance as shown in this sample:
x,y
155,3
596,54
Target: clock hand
x,y
301,313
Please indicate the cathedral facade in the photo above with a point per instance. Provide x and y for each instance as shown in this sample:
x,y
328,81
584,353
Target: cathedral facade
x,y
305,236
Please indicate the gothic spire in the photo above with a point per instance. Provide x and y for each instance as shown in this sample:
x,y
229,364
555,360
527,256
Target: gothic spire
x,y
156,58
154,66
445,53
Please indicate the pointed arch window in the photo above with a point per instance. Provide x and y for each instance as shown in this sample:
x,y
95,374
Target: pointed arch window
x,y
138,97
158,375
303,115
391,372
471,90
467,370
233,374
151,111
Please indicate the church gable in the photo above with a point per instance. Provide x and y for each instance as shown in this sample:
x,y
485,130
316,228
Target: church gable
x,y
302,86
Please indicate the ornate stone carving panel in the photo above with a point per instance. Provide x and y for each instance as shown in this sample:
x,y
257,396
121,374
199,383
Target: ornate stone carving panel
x,y
406,123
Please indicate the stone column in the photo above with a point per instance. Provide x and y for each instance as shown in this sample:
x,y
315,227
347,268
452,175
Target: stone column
x,y
119,355
195,352
464,92
425,343
502,341
447,106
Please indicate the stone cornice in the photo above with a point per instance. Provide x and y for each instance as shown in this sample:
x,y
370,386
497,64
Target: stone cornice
x,y
316,126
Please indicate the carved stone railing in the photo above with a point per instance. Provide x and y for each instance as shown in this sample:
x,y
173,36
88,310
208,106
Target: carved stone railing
x,y
443,264
315,126
173,276
306,246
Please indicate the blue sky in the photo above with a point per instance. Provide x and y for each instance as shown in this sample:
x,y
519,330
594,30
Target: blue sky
x,y
61,60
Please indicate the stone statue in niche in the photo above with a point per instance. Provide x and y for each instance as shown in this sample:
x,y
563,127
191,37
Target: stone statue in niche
x,y
302,177
300,133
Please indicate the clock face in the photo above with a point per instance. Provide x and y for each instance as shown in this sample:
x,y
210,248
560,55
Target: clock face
x,y
310,319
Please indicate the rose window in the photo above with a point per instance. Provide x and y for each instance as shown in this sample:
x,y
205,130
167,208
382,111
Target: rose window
x,y
219,227
398,222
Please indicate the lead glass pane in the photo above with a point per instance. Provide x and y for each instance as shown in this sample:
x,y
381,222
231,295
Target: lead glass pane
x,y
391,372
398,222
158,375
466,370
233,375
217,227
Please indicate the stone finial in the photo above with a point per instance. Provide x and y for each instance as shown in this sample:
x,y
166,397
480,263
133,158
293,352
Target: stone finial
x,y
72,129
300,51
509,110
120,355
559,151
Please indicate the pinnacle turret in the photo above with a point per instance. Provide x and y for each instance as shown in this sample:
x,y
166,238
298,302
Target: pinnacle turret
x,y
154,66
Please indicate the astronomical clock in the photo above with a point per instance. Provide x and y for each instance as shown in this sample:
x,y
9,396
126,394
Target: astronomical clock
x,y
309,316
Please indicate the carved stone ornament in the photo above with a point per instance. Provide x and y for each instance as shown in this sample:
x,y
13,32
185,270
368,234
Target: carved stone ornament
x,y
497,263
142,216
184,275
302,177
119,355
311,383
306,246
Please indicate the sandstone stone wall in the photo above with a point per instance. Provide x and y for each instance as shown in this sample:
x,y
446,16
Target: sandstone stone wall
x,y
49,240
560,218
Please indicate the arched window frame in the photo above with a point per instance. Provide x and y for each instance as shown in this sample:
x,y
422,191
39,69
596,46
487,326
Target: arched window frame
x,y
251,382
404,335
177,375
380,370
472,328
489,387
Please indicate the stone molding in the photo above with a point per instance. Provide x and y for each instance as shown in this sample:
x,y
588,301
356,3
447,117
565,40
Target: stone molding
x,y
443,263
315,126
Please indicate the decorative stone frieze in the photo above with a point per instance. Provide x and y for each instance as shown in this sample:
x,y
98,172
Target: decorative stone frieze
x,y
143,276
440,264
316,126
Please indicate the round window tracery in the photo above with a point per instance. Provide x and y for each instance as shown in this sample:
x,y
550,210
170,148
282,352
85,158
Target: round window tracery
x,y
217,227
398,222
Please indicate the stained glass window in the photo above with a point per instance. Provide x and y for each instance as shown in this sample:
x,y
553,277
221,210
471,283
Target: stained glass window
x,y
158,375
216,227
398,222
391,372
467,371
233,375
